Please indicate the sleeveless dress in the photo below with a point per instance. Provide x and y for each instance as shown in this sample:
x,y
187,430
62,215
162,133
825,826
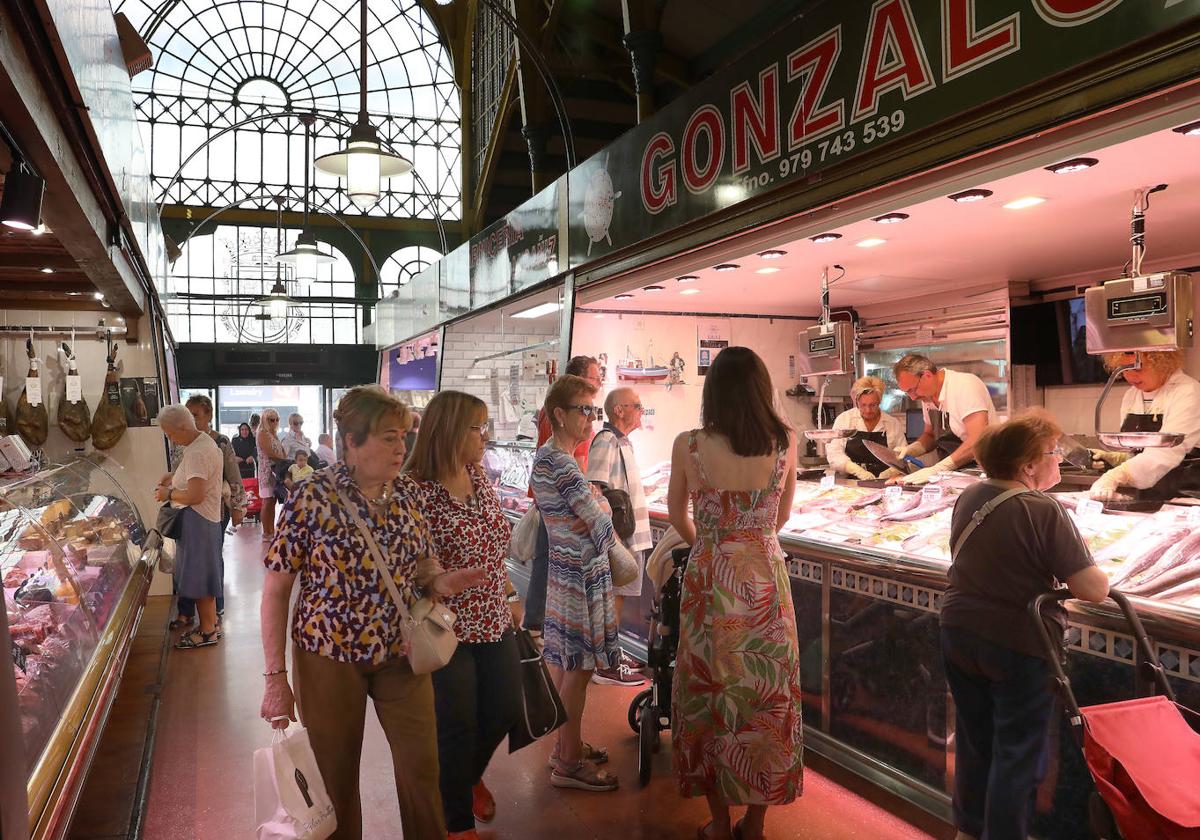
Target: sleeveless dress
x,y
736,729
580,629
266,476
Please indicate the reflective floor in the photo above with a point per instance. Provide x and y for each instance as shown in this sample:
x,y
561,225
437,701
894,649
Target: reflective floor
x,y
201,783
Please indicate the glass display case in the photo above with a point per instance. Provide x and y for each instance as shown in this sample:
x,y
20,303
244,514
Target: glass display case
x,y
74,579
508,465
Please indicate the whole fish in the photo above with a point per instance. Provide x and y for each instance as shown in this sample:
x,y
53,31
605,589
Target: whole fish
x,y
867,501
1164,542
1187,589
920,511
1178,554
1183,573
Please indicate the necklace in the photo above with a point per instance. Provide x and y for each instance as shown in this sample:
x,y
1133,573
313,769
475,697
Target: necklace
x,y
380,500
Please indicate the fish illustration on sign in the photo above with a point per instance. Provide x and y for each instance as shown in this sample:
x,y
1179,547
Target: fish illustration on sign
x,y
598,201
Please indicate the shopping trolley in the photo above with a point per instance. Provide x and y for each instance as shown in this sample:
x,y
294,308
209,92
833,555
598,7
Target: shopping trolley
x,y
1143,754
650,711
253,501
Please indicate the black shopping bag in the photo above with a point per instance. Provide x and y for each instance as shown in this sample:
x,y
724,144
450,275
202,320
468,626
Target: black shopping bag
x,y
542,709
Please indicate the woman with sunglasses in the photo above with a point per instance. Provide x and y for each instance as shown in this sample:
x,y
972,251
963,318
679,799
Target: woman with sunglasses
x,y
580,628
270,452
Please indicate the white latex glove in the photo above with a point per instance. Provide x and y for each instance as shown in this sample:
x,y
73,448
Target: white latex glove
x,y
1105,487
858,471
915,449
1103,458
923,476
890,472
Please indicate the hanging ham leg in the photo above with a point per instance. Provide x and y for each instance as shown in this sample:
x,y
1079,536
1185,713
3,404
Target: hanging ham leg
x,y
32,422
108,424
74,418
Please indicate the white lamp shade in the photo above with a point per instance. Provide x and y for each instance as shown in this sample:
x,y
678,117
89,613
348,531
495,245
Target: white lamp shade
x,y
306,267
277,307
362,175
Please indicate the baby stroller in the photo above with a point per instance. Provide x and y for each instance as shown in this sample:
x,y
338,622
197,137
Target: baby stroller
x,y
1143,754
650,711
253,501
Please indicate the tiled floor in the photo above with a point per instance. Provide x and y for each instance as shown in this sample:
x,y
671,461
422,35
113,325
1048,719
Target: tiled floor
x,y
202,787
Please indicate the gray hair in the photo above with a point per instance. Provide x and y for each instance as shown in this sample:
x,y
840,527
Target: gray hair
x,y
914,363
295,415
614,399
176,416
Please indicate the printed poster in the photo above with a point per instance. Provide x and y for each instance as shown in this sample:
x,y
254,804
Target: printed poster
x,y
712,336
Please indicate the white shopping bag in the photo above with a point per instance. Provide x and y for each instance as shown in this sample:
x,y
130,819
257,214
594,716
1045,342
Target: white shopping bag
x,y
290,802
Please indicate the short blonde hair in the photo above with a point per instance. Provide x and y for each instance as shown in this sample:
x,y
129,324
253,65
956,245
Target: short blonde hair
x,y
448,419
1003,448
864,384
1163,362
565,391
362,410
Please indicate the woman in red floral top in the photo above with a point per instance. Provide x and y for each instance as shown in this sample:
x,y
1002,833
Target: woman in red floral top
x,y
477,693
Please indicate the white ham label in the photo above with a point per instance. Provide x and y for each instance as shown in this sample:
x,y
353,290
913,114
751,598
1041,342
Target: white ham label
x,y
74,387
33,390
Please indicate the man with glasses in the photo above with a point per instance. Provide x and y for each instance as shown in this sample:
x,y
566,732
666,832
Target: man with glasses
x,y
585,367
612,466
957,408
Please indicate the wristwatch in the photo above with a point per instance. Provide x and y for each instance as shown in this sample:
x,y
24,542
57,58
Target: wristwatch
x,y
513,597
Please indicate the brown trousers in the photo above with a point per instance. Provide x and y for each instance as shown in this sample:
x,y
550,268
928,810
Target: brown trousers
x,y
332,700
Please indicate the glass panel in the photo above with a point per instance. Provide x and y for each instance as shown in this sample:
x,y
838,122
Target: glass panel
x,y
986,359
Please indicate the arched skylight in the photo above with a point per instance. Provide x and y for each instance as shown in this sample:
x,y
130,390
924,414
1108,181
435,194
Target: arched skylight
x,y
402,266
218,62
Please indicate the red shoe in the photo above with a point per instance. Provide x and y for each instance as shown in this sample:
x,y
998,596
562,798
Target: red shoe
x,y
483,804
471,834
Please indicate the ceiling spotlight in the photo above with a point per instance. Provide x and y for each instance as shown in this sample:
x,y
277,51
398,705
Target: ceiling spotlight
x,y
726,267
98,295
822,238
47,271
872,242
623,297
1191,129
772,254
653,288
21,203
967,196
890,218
768,270
687,278
40,229
690,292
1022,203
1073,165
598,315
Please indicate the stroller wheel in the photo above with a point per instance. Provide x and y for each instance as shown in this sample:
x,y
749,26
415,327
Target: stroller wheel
x,y
1100,819
647,741
635,708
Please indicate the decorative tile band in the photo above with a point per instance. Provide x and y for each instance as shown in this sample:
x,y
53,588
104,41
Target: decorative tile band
x,y
883,589
1106,644
806,570
1179,662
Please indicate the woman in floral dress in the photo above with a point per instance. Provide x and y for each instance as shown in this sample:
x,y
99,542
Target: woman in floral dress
x,y
736,726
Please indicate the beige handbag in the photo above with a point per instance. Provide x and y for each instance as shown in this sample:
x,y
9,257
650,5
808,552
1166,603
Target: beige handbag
x,y
428,628
622,565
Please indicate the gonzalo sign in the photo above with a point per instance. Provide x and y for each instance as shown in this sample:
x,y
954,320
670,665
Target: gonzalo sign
x,y
837,82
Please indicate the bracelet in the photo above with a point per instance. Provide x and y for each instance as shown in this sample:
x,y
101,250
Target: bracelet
x,y
274,673
513,597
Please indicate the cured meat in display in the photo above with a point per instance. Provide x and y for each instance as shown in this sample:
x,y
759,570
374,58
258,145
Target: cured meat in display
x,y
32,422
74,418
108,424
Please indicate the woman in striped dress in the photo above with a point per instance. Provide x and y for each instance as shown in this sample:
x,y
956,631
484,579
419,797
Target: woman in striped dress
x,y
580,629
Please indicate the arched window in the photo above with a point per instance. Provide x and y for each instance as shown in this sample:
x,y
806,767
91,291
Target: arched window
x,y
219,275
219,62
401,267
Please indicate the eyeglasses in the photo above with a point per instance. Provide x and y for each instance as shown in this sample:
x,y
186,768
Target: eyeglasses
x,y
589,411
484,429
637,406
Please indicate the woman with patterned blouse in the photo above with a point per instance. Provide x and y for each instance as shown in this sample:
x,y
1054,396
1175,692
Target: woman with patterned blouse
x,y
580,630
477,694
346,642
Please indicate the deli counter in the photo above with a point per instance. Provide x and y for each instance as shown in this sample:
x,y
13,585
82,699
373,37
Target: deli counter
x,y
74,579
868,569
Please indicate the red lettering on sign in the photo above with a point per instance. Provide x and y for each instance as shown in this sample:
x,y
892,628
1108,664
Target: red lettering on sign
x,y
814,63
755,120
1073,12
658,176
964,48
704,120
894,59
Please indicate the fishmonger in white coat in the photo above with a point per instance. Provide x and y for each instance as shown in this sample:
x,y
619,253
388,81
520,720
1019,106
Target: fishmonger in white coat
x,y
869,423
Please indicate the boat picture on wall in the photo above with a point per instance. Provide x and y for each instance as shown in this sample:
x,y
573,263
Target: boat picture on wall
x,y
632,369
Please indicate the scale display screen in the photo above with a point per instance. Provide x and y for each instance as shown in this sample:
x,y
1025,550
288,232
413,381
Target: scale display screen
x,y
824,344
1137,306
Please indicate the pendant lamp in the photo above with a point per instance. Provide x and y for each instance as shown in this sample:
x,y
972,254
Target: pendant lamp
x,y
21,203
363,162
275,305
304,256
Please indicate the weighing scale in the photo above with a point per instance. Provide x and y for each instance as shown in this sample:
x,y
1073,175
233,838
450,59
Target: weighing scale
x,y
826,350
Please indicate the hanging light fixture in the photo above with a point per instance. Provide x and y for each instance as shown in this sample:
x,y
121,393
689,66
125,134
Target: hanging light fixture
x,y
21,204
275,305
363,163
305,256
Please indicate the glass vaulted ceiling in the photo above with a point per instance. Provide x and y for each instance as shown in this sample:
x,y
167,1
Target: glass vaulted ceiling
x,y
217,62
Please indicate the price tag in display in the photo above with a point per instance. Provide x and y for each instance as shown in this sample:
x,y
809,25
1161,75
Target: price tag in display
x,y
827,481
33,390
893,491
931,492
74,388
18,657
1090,509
